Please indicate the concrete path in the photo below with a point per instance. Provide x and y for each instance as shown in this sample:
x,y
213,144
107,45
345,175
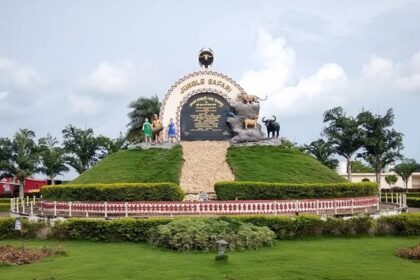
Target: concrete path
x,y
204,165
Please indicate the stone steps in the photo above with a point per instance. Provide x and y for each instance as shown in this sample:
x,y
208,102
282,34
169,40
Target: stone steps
x,y
204,165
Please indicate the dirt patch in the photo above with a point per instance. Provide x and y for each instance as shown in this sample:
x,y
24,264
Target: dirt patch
x,y
20,255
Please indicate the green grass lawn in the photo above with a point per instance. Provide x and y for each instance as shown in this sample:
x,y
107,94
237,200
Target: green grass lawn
x,y
330,258
136,165
277,164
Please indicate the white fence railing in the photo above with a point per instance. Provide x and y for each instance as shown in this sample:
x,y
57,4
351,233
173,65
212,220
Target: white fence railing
x,y
105,209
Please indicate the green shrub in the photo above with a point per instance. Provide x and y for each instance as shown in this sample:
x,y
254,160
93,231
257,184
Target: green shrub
x,y
4,207
202,233
404,224
29,229
134,230
114,192
413,202
260,190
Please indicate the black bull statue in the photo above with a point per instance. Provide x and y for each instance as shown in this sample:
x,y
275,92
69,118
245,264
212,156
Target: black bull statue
x,y
272,126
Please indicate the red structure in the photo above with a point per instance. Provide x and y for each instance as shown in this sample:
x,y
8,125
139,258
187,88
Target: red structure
x,y
10,186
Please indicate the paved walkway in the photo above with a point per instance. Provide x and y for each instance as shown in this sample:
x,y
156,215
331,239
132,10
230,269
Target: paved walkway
x,y
204,165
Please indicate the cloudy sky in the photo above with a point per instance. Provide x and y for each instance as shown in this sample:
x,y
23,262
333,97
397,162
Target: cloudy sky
x,y
82,62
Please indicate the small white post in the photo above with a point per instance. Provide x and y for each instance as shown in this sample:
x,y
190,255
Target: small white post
x,y
404,200
34,199
392,197
275,207
27,200
106,209
335,206
126,209
297,206
55,208
87,214
70,204
317,207
352,206
17,205
378,205
23,205
386,197
32,208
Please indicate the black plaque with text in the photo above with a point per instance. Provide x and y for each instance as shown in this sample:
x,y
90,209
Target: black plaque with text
x,y
203,117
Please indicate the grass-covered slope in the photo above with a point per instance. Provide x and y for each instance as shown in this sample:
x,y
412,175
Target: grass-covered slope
x,y
136,165
278,164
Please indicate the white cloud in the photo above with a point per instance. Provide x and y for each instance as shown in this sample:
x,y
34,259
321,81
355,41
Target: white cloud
x,y
402,76
111,79
378,68
277,61
18,76
82,104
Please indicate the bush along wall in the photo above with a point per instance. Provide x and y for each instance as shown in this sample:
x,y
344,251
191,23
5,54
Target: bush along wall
x,y
140,230
413,202
260,190
114,192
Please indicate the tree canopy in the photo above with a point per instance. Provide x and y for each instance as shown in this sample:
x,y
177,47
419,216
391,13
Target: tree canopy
x,y
344,134
322,151
52,157
405,169
141,109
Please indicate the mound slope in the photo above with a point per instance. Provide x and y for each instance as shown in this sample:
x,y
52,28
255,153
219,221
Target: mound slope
x,y
278,164
136,165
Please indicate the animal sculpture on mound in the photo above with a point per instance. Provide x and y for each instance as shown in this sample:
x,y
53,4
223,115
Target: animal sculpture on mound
x,y
272,126
250,99
250,123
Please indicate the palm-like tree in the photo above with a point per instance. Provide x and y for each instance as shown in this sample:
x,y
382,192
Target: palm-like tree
x,y
322,151
141,108
405,169
25,156
52,157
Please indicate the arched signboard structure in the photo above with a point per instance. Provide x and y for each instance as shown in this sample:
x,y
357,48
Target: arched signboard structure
x,y
185,102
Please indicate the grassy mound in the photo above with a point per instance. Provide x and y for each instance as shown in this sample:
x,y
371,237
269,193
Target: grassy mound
x,y
131,166
278,164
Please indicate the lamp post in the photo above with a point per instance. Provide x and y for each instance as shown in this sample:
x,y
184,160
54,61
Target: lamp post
x,y
221,250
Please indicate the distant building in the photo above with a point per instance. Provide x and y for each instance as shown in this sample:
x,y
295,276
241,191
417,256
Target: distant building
x,y
413,181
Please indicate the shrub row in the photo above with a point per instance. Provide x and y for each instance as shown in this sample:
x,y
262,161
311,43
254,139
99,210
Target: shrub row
x,y
413,202
4,207
262,190
114,192
137,230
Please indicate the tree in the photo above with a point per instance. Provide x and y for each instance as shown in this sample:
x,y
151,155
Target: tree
x,y
344,134
322,151
24,157
382,144
141,108
359,167
112,145
82,147
405,169
52,157
391,180
6,153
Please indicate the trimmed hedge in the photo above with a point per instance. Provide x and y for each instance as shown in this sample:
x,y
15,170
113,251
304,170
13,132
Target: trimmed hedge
x,y
138,230
29,230
114,192
4,207
134,230
231,190
413,202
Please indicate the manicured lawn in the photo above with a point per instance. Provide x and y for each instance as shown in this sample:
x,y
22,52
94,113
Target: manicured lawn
x,y
128,166
340,258
276,164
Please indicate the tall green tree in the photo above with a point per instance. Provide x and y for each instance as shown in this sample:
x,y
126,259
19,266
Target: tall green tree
x,y
382,144
344,133
112,145
140,109
322,151
6,153
25,156
53,157
405,169
83,148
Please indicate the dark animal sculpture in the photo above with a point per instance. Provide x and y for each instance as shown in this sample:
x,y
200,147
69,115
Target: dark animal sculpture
x,y
272,126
